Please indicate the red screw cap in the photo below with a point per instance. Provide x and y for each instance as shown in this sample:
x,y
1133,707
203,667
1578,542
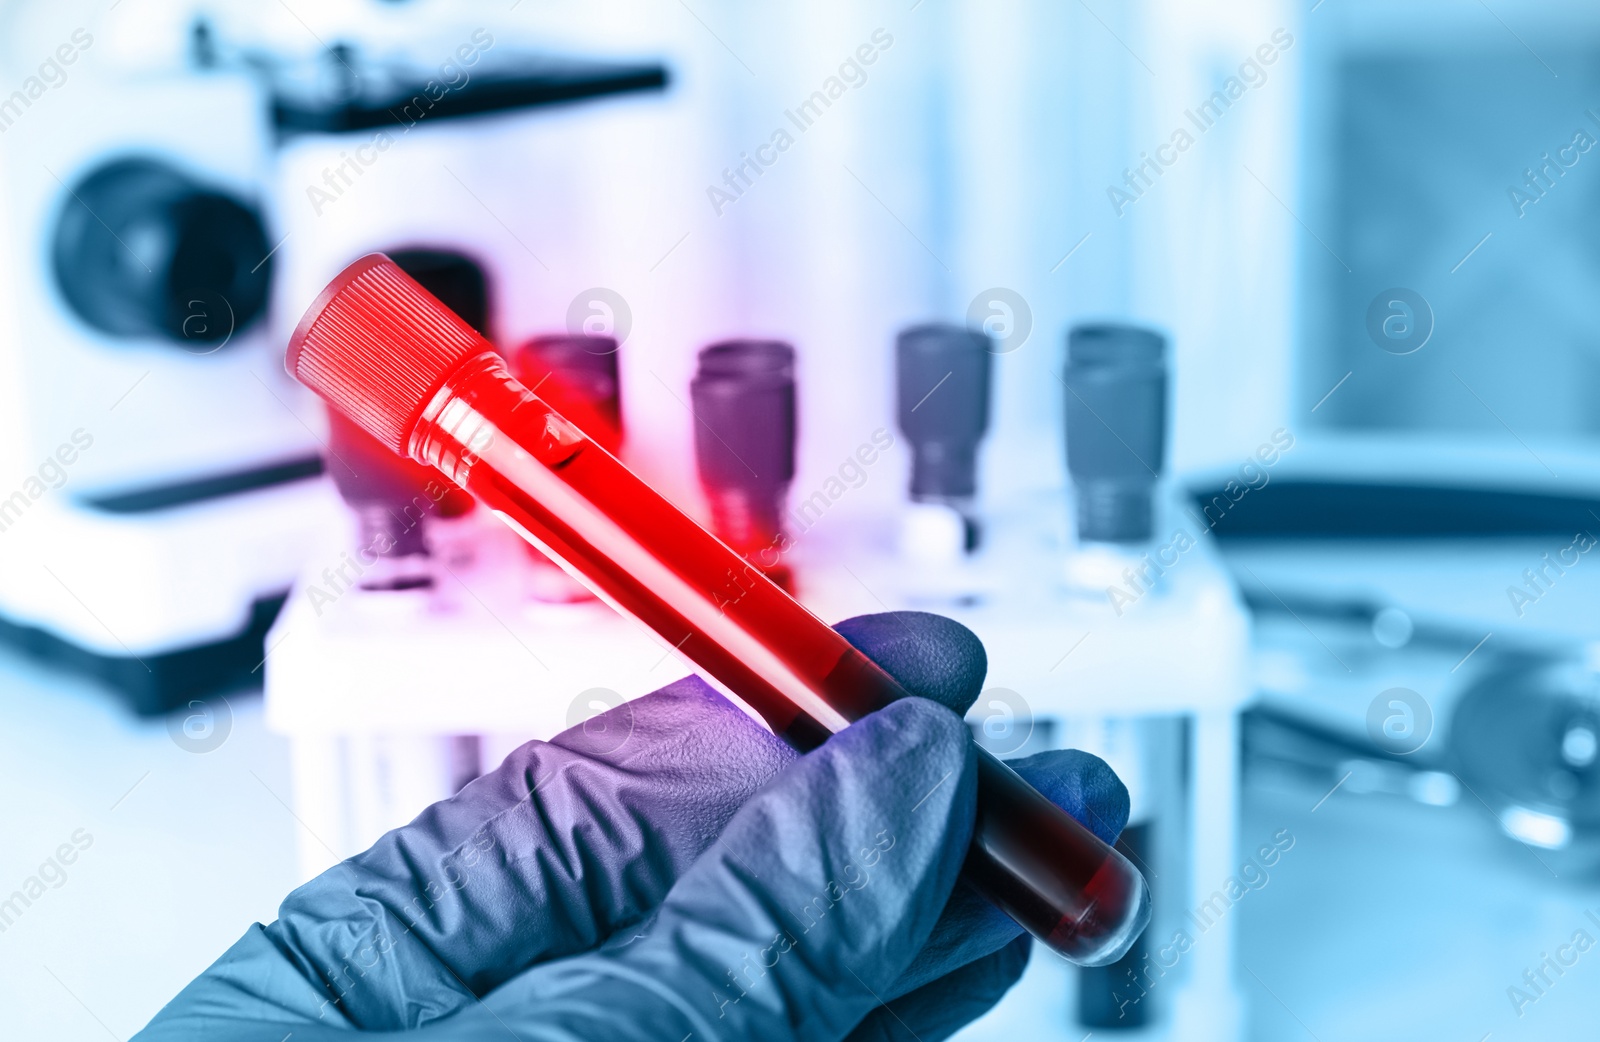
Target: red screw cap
x,y
377,347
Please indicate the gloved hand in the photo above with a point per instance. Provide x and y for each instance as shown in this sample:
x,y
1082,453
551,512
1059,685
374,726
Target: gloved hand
x,y
669,870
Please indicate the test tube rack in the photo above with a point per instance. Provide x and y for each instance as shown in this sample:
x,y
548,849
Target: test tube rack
x,y
392,700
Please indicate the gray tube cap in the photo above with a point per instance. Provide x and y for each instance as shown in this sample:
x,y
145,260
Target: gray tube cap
x,y
942,391
744,406
1116,410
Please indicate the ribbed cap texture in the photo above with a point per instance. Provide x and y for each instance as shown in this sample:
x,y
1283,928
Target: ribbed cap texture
x,y
942,393
377,347
743,397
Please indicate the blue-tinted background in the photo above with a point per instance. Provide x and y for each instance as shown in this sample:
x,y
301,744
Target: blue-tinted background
x,y
1336,256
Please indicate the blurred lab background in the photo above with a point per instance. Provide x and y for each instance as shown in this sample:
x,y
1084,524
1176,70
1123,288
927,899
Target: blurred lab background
x,y
1227,366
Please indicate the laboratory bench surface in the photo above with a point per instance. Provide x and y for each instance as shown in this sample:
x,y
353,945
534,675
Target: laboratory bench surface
x,y
1386,920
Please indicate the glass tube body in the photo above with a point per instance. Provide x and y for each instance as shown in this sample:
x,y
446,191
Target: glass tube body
x,y
637,551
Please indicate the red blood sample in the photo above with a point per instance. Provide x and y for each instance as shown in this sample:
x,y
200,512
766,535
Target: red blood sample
x,y
378,347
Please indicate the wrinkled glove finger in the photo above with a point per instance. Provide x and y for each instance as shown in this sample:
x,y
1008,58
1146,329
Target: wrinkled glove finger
x,y
931,656
944,1006
822,889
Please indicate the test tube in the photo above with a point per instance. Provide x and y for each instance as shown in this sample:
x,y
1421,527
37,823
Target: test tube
x,y
388,498
942,404
576,375
744,433
1116,380
378,347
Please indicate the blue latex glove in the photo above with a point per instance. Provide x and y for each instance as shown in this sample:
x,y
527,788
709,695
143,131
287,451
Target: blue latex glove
x,y
671,871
